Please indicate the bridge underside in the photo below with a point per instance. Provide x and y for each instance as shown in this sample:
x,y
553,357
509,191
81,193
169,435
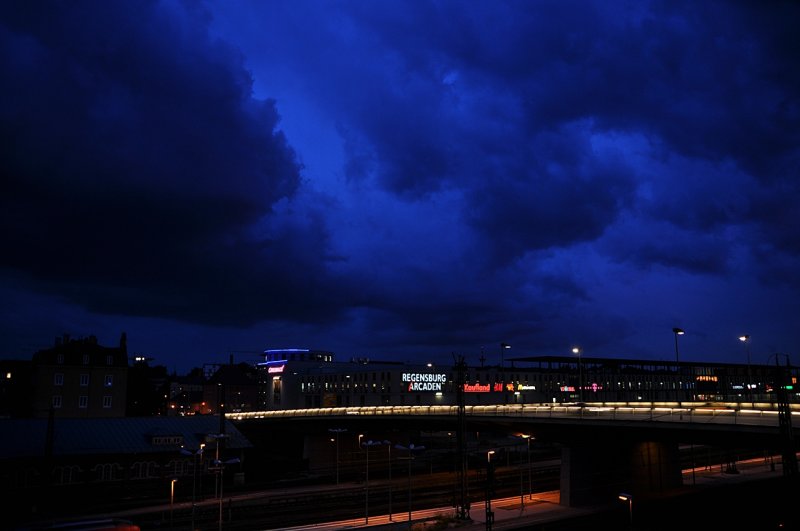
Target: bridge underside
x,y
599,459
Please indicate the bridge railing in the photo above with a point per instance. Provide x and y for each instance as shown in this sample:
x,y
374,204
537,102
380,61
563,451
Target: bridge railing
x,y
704,413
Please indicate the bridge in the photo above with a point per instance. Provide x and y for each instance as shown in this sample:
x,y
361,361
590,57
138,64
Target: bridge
x,y
607,448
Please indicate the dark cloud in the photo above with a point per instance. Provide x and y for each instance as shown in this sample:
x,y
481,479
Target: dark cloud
x,y
404,177
136,164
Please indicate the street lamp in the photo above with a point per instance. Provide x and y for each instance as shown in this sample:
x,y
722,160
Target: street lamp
x,y
577,350
624,496
530,483
217,437
489,478
389,446
503,347
677,332
198,453
746,340
337,431
366,498
171,500
219,468
410,449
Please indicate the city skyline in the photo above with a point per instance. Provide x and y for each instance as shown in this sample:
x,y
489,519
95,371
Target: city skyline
x,y
401,180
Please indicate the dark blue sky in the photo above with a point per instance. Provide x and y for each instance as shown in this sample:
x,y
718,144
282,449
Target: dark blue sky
x,y
401,180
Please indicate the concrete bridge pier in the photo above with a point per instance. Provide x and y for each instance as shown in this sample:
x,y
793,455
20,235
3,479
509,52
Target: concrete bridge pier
x,y
596,472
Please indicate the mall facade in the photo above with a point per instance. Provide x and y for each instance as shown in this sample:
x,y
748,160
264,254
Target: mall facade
x,y
305,378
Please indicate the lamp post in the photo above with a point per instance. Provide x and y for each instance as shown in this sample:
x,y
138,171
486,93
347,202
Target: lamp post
x,y
677,332
171,501
219,468
389,446
746,340
199,453
577,350
366,497
503,347
337,431
489,487
217,437
528,438
410,449
624,496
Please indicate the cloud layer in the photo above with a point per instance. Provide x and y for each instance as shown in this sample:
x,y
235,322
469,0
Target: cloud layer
x,y
401,179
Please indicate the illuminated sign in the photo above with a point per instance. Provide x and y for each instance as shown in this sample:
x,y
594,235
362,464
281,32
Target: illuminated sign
x,y
704,378
424,381
522,387
476,388
275,369
567,388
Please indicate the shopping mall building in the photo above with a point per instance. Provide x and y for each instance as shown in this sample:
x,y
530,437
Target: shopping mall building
x,y
305,378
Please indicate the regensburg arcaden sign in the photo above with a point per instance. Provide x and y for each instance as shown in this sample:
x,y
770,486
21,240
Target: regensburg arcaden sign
x,y
424,381
428,381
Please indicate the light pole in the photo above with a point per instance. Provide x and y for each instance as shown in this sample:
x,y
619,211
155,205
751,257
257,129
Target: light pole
x,y
410,449
171,500
217,437
489,487
366,498
389,446
528,438
746,340
577,350
624,496
503,347
219,467
677,332
199,453
337,431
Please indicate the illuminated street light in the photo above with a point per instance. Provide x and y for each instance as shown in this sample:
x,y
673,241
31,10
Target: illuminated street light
x,y
746,340
530,483
171,500
337,431
677,332
578,351
503,347
624,496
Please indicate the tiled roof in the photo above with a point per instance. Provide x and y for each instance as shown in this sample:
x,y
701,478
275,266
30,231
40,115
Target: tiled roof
x,y
27,437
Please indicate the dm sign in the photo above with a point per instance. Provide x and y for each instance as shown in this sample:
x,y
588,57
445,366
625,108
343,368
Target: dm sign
x,y
424,381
